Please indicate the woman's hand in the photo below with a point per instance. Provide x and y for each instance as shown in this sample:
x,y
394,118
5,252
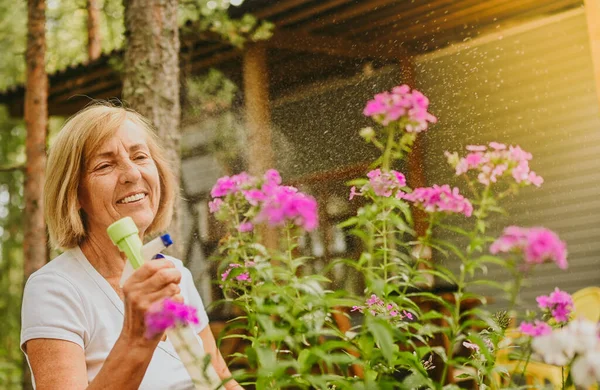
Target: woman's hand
x,y
150,284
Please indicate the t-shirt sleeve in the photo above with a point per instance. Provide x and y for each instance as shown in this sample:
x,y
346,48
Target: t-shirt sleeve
x,y
193,298
52,309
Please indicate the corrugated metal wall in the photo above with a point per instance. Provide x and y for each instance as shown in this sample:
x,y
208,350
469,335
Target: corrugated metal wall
x,y
532,86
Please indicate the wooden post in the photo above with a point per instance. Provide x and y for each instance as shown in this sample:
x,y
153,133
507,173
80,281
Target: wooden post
x,y
258,119
592,11
258,115
93,25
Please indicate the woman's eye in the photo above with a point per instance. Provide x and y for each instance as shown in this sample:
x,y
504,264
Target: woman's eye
x,y
141,157
101,166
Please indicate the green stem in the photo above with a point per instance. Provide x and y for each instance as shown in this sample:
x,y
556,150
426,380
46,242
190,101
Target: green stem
x,y
385,251
385,164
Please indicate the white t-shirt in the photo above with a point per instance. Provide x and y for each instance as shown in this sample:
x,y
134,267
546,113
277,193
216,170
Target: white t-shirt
x,y
68,299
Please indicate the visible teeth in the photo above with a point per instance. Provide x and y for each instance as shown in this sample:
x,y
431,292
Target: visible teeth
x,y
132,198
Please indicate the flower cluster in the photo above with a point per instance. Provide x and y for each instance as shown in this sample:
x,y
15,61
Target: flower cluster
x,y
168,314
243,276
538,245
273,203
377,307
475,347
401,102
440,199
579,340
535,329
496,162
558,304
383,184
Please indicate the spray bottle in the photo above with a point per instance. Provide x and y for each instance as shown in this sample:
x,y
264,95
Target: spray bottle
x,y
125,235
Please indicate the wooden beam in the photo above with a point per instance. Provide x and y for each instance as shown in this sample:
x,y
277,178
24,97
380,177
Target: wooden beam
x,y
592,11
300,41
337,17
310,11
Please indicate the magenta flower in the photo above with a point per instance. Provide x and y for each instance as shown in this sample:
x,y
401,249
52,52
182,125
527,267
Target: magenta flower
x,y
245,227
215,205
285,204
401,102
538,245
377,307
558,303
243,277
535,329
228,185
168,314
440,199
382,183
496,162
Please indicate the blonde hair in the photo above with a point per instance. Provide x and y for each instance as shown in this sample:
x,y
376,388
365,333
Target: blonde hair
x,y
83,133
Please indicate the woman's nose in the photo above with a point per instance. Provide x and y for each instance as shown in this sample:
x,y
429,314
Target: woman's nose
x,y
130,172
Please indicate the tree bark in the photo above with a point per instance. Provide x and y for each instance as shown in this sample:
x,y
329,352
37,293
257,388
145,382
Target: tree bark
x,y
36,120
93,25
151,77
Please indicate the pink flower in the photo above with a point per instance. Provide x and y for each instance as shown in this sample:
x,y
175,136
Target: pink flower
x,y
254,196
558,303
243,277
215,205
228,185
496,162
472,346
407,314
538,245
272,177
354,193
245,227
166,315
387,107
440,199
536,329
543,245
285,204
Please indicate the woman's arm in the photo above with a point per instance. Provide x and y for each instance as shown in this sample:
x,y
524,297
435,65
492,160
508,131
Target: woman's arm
x,y
210,346
60,364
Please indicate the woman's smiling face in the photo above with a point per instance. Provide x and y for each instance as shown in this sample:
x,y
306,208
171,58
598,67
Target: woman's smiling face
x,y
120,180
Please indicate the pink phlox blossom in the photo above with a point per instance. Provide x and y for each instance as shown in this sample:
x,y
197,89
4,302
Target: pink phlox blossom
x,y
496,162
408,314
374,300
440,199
230,184
472,346
286,204
168,314
401,102
354,193
559,303
215,205
225,274
254,196
535,329
244,277
383,183
245,227
272,176
538,245
543,245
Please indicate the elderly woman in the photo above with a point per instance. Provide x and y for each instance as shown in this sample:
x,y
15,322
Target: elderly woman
x,y
79,329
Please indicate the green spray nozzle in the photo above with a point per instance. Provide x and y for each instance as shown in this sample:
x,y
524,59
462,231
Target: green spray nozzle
x,y
125,234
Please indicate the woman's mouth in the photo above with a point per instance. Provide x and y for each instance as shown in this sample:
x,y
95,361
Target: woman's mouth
x,y
132,198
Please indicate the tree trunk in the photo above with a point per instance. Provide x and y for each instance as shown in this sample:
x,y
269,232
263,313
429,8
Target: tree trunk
x,y
151,77
36,120
93,25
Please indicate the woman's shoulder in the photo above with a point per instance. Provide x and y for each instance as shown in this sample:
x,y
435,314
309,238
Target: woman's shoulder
x,y
64,266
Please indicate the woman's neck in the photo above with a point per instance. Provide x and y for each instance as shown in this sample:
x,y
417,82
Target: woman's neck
x,y
103,255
